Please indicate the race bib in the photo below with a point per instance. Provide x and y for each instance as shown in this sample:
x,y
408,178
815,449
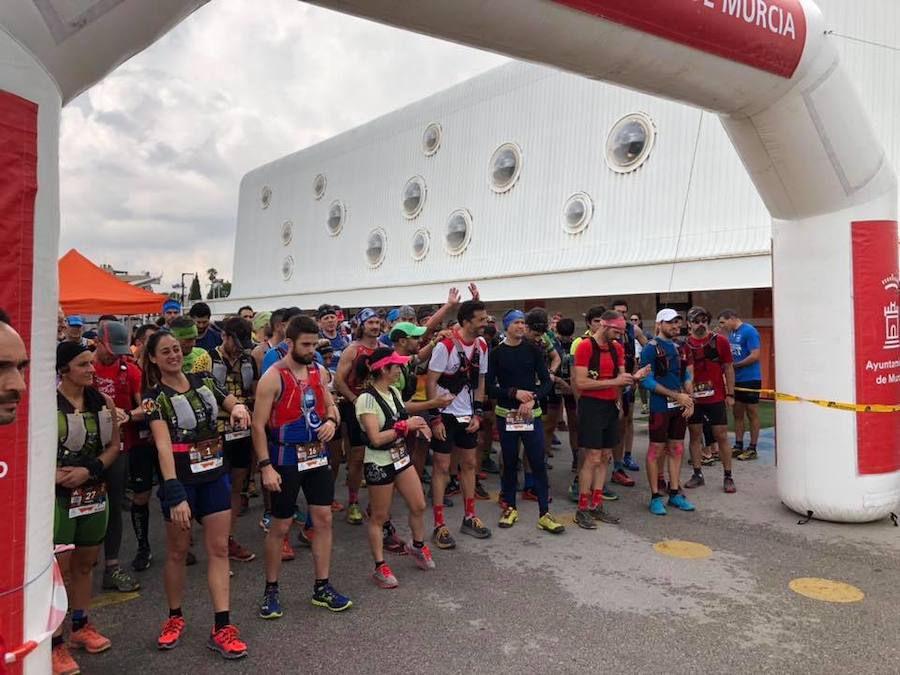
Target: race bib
x,y
399,456
672,405
464,419
704,390
235,435
87,499
516,421
144,434
205,458
311,456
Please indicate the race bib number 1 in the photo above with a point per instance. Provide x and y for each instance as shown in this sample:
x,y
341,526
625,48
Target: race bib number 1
x,y
206,458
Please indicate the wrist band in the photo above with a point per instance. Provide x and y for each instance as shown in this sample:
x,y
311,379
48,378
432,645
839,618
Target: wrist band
x,y
401,428
94,466
174,493
332,420
479,408
263,463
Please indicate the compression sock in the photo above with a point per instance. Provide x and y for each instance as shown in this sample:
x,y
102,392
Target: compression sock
x,y
583,500
597,499
727,474
79,619
222,619
470,507
618,465
140,521
438,515
353,496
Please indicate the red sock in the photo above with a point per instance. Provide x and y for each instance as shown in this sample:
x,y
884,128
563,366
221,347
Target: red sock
x,y
470,507
353,496
583,501
597,499
438,515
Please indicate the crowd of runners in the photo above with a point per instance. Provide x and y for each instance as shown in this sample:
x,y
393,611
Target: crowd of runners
x,y
409,401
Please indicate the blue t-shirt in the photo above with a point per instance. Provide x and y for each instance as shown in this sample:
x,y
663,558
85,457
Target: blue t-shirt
x,y
275,354
671,380
211,339
338,343
743,341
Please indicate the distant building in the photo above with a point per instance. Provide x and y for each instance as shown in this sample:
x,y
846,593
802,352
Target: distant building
x,y
143,280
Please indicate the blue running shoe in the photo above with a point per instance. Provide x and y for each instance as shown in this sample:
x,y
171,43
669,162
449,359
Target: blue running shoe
x,y
325,596
573,491
657,508
609,495
629,463
681,502
299,517
270,607
265,522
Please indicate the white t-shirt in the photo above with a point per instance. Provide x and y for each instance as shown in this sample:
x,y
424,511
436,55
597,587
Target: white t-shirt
x,y
444,361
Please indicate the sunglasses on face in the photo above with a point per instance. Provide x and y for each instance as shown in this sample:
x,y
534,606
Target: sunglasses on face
x,y
700,320
634,319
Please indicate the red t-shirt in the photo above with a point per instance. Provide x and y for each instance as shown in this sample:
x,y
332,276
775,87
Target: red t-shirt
x,y
121,381
709,377
607,369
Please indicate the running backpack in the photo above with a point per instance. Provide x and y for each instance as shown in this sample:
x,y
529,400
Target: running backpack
x,y
468,371
596,354
661,363
289,407
390,417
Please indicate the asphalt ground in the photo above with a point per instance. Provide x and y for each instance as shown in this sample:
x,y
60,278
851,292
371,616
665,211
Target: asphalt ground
x,y
528,601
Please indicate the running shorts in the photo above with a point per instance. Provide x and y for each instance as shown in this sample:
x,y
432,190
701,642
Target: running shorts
x,y
87,530
711,413
238,452
598,423
375,474
142,463
205,499
457,436
667,426
747,397
317,486
354,431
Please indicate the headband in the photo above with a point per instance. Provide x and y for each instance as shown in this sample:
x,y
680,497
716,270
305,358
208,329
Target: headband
x,y
511,316
365,314
171,304
613,323
184,333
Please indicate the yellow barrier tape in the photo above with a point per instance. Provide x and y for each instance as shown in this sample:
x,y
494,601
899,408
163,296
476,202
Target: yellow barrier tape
x,y
837,405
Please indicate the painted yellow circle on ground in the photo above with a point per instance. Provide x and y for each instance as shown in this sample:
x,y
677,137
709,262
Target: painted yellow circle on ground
x,y
826,590
677,548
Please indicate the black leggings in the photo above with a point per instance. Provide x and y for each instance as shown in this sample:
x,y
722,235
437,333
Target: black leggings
x,y
115,476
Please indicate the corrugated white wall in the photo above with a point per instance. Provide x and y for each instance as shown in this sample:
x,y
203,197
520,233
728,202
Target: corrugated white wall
x,y
561,123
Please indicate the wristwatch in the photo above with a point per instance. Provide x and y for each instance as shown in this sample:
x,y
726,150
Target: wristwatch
x,y
263,463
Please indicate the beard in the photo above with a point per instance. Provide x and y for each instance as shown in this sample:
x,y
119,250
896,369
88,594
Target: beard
x,y
302,360
701,331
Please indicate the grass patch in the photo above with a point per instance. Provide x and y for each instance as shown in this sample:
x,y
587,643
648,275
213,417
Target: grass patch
x,y
766,415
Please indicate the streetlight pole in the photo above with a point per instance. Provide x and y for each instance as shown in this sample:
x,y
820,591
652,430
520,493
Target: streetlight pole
x,y
183,287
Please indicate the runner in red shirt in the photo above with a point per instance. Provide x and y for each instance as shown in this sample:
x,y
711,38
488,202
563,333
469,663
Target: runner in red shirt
x,y
713,390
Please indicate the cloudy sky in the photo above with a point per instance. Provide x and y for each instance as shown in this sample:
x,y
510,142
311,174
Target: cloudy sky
x,y
151,158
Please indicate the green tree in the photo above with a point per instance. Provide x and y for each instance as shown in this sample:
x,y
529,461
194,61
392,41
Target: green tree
x,y
195,293
212,274
219,288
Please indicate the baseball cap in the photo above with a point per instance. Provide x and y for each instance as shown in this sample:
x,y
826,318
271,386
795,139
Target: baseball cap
x,y
393,315
66,351
666,315
696,312
114,336
406,329
407,312
393,359
75,320
326,310
261,319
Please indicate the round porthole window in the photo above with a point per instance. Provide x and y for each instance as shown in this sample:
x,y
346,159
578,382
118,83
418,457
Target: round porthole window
x,y
458,232
337,214
319,183
577,213
414,197
376,247
630,142
431,139
287,268
287,232
506,165
265,196
421,242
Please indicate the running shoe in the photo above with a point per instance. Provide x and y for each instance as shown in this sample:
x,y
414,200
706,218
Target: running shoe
x,y
354,514
88,639
480,492
599,513
509,517
142,560
529,494
645,409
287,551
452,489
609,495
657,508
548,523
426,477
729,485
736,451
709,460
304,537
384,577
270,607
475,528
421,556
573,491
265,521
584,521
336,506
330,599
299,517
190,559
252,492
238,552
490,466
621,478
226,642
115,578
481,475
63,663
629,463
170,635
448,503
442,538
747,455
679,501
695,481
392,543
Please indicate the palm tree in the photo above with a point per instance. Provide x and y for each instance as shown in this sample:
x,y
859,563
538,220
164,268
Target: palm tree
x,y
212,273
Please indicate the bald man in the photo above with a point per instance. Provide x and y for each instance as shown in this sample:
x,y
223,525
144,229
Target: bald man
x,y
13,362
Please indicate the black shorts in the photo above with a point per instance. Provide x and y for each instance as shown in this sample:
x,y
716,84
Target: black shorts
x,y
142,462
554,399
667,426
238,452
714,414
376,474
747,397
354,431
598,423
457,436
317,485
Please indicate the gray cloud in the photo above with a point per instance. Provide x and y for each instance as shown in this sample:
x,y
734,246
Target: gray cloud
x,y
151,158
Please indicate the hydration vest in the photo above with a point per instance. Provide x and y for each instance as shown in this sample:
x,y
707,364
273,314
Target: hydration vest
x,y
661,362
709,350
82,434
297,399
220,371
596,355
468,371
354,384
390,418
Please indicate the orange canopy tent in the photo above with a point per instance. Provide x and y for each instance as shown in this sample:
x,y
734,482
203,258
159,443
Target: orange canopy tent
x,y
84,288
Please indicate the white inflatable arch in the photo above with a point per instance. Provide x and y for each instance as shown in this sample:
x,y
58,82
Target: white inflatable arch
x,y
766,67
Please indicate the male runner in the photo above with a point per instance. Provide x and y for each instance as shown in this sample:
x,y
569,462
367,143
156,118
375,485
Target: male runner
x,y
622,458
713,390
745,348
246,312
196,359
208,336
293,419
276,326
458,366
326,316
171,311
671,404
